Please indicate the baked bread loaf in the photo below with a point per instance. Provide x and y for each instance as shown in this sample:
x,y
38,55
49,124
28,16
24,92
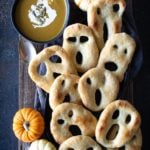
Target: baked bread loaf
x,y
105,18
117,54
70,119
64,89
55,62
98,87
79,43
118,123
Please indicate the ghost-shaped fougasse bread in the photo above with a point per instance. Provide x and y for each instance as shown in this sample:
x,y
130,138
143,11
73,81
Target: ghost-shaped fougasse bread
x,y
117,54
69,119
80,142
117,125
105,18
97,88
54,61
64,89
79,43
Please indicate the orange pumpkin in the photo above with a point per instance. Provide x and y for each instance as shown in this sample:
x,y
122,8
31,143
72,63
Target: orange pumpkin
x,y
28,124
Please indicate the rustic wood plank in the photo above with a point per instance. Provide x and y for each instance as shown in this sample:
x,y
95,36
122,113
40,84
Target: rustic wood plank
x,y
26,93
26,90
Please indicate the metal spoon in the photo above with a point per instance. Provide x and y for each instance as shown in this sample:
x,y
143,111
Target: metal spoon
x,y
27,50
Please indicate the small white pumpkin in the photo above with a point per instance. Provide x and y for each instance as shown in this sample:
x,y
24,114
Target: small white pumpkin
x,y
42,144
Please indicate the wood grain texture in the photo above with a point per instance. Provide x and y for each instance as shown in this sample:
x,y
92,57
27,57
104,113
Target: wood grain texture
x,y
26,90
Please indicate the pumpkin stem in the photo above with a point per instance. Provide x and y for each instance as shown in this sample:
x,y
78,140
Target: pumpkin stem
x,y
26,125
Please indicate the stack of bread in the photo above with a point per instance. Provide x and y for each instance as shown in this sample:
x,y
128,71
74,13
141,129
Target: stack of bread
x,y
82,78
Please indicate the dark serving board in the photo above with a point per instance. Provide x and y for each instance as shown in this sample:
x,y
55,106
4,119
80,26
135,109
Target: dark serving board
x,y
32,96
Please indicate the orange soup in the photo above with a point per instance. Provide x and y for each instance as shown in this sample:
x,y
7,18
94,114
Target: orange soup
x,y
38,21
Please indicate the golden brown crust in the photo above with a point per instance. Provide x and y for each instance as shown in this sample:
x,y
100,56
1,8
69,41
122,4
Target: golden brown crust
x,y
64,88
45,81
71,114
101,81
107,12
80,142
127,119
82,43
119,49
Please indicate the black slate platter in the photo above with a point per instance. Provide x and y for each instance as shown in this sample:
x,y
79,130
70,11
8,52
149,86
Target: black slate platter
x,y
77,16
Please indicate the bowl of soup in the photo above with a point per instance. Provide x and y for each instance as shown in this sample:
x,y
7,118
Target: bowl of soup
x,y
40,20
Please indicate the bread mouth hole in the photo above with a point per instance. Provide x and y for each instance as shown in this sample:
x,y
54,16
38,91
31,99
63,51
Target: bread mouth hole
x,y
55,75
67,98
98,11
112,133
79,58
111,66
75,130
63,82
98,97
55,59
105,32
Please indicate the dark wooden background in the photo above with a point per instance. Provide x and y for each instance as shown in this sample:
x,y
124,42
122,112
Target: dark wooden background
x,y
9,73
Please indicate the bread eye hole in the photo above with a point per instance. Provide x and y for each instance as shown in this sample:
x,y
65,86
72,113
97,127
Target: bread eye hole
x,y
55,59
128,119
115,46
60,121
63,82
125,51
72,39
83,39
42,69
116,7
88,80
70,114
115,114
79,58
